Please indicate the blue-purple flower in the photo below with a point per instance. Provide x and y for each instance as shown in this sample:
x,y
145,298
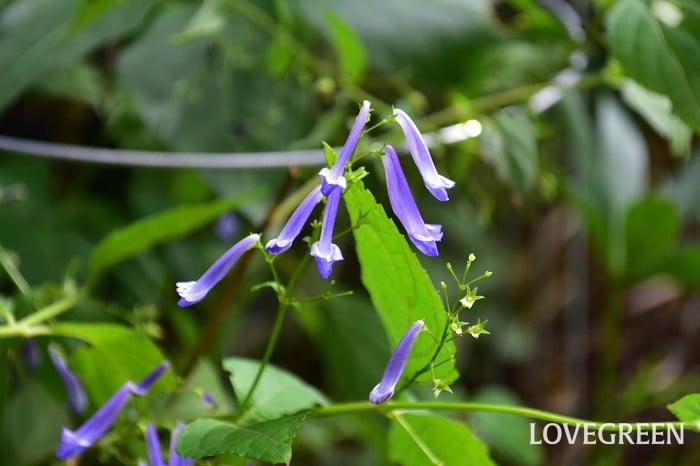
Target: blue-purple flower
x,y
77,399
324,250
394,368
296,222
74,442
193,292
436,183
333,177
421,234
153,447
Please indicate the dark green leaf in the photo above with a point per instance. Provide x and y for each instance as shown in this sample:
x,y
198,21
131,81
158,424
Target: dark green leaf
x,y
278,392
399,286
269,441
38,36
647,247
508,143
417,440
660,50
684,265
150,231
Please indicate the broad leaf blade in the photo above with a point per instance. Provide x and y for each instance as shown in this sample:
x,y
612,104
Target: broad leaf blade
x,y
660,52
269,441
149,231
417,440
278,392
648,247
687,409
399,286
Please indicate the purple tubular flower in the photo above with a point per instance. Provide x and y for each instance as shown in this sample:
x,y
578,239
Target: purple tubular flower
x,y
207,400
175,459
153,446
324,250
394,368
334,176
421,234
74,442
436,183
77,399
193,292
295,223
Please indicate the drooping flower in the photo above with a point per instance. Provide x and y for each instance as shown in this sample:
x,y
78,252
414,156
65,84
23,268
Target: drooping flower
x,y
74,442
324,250
77,399
394,368
295,223
193,292
334,176
153,447
421,234
436,183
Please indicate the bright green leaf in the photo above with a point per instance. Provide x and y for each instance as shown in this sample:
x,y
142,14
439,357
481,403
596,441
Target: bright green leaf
x,y
659,51
687,409
351,52
269,441
115,355
158,228
399,286
418,440
208,21
278,392
648,247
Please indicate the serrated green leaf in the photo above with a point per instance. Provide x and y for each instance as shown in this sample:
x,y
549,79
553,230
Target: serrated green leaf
x,y
659,51
399,286
278,392
648,247
269,441
417,440
147,232
687,409
350,51
116,354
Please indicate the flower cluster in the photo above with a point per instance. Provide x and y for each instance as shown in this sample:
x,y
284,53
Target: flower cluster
x,y
424,236
74,442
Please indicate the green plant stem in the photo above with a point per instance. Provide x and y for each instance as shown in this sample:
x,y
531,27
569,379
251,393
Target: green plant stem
x,y
284,303
13,272
11,331
532,413
50,311
609,351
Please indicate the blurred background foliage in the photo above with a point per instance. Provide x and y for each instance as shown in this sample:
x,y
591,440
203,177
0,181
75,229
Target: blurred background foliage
x,y
578,189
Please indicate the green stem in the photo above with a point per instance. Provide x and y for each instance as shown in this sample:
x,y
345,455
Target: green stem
x,y
13,272
284,304
532,413
609,351
10,331
50,311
